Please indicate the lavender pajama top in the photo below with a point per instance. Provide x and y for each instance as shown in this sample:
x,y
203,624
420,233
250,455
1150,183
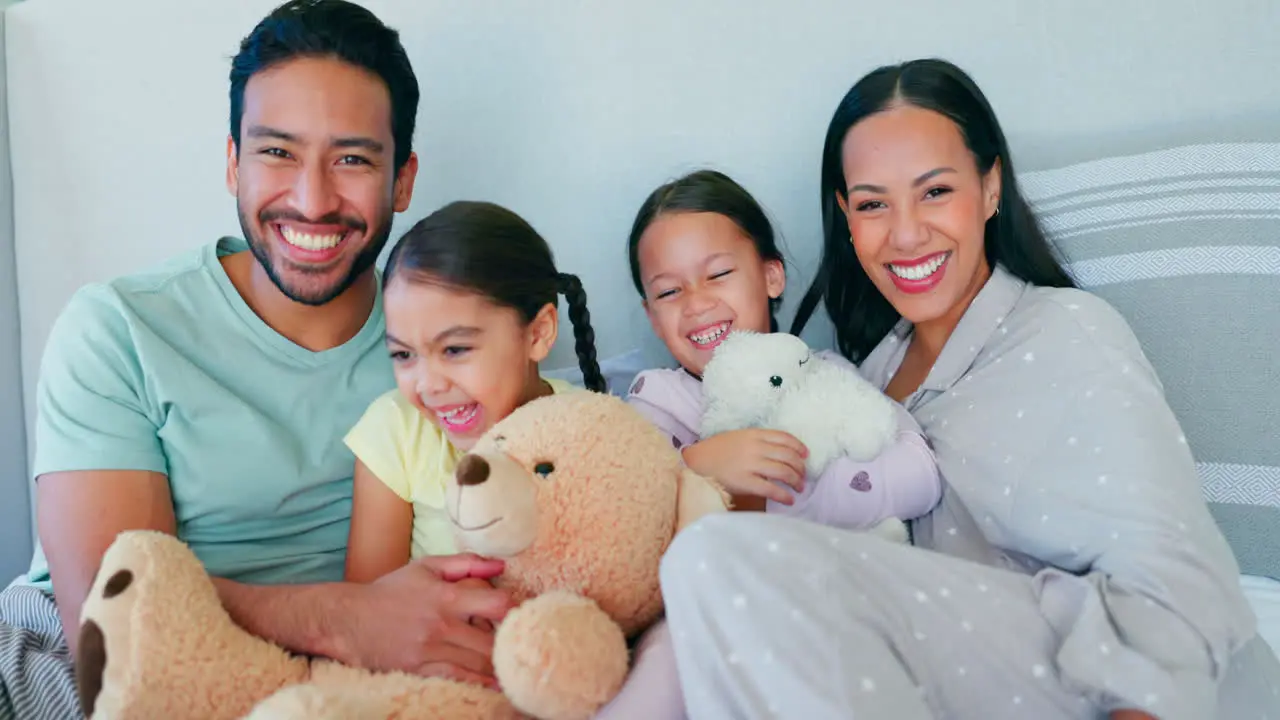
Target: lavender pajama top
x,y
902,482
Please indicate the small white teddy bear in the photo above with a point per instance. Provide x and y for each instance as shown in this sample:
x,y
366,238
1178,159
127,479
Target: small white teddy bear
x,y
774,381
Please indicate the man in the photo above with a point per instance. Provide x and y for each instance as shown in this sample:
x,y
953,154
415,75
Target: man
x,y
207,397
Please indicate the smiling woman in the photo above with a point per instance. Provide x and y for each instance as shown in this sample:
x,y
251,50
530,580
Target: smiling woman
x,y
919,202
1071,568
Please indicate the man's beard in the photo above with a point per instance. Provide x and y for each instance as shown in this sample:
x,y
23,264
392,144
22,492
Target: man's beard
x,y
316,297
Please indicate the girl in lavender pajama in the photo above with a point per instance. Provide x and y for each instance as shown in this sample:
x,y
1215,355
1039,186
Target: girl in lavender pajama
x,y
704,259
1072,569
901,482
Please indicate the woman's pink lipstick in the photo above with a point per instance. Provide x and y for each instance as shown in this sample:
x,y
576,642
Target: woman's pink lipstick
x,y
920,275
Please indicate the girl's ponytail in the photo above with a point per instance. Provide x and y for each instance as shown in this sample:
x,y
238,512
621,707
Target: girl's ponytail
x,y
584,336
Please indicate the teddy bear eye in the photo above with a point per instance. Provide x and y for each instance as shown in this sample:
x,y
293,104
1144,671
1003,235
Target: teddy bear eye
x,y
544,468
775,381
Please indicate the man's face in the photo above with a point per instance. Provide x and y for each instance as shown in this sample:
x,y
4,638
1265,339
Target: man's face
x,y
314,176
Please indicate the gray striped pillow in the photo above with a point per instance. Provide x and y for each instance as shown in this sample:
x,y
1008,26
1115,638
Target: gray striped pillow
x,y
1185,242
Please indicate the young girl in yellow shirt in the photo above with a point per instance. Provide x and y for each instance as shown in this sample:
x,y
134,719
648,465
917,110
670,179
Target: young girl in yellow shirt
x,y
470,299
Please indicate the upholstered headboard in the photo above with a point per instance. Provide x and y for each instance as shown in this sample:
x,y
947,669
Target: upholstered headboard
x,y
1185,243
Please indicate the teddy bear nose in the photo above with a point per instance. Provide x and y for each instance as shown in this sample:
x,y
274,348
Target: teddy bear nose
x,y
472,470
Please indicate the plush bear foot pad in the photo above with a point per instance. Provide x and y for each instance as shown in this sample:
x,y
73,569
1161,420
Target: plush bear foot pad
x,y
155,642
380,698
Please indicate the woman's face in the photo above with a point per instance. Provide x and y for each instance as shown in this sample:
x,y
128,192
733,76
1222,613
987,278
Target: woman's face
x,y
917,208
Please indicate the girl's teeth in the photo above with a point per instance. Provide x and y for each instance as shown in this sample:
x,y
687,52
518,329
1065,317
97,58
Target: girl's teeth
x,y
919,272
710,335
459,415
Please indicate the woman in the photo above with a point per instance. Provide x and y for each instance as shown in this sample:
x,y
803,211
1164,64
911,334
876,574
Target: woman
x,y
1072,569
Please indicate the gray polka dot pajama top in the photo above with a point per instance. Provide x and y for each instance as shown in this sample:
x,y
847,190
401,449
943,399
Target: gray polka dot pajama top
x,y
1071,568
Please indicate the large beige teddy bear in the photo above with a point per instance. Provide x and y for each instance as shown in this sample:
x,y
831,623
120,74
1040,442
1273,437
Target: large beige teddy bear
x,y
577,492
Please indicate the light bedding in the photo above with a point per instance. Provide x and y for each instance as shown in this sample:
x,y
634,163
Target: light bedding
x,y
1264,595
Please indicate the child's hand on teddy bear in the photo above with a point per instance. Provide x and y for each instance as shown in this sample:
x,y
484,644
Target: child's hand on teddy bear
x,y
751,463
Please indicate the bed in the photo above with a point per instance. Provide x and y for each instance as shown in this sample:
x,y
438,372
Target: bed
x,y
1264,595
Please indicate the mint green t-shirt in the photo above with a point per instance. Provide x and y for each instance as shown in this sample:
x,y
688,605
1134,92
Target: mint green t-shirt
x,y
171,371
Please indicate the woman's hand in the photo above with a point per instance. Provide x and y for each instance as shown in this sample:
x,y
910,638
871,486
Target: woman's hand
x,y
751,462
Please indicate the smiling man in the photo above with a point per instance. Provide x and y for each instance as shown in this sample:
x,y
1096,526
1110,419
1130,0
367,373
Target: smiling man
x,y
207,397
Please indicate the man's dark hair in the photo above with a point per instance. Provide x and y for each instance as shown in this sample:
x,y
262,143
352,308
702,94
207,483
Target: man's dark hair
x,y
330,29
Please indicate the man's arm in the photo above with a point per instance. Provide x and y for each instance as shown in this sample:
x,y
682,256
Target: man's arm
x,y
414,619
79,515
295,617
418,619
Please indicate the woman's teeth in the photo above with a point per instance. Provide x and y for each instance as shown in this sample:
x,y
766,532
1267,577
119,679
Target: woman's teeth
x,y
307,241
921,271
710,335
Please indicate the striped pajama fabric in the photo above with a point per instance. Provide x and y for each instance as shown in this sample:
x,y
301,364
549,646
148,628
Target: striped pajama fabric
x,y
37,681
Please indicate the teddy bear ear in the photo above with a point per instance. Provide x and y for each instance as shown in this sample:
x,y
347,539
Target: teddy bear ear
x,y
698,496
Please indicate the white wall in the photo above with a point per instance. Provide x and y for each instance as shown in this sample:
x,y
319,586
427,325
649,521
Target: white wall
x,y
570,112
15,518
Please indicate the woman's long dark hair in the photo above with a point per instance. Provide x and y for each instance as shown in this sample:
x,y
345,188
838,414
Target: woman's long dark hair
x,y
487,249
861,315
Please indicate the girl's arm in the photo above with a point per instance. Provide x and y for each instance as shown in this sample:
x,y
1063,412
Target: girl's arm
x,y
903,482
381,534
653,394
381,529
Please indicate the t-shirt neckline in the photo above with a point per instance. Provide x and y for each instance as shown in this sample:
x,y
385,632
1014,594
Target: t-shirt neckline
x,y
371,332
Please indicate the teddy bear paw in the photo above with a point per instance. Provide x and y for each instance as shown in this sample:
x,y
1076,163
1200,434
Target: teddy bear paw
x,y
313,702
560,657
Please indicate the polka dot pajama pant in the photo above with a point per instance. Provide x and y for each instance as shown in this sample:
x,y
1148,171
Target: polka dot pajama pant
x,y
777,618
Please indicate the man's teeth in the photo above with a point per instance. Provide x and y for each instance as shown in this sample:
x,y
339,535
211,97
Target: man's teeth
x,y
710,335
307,241
919,272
